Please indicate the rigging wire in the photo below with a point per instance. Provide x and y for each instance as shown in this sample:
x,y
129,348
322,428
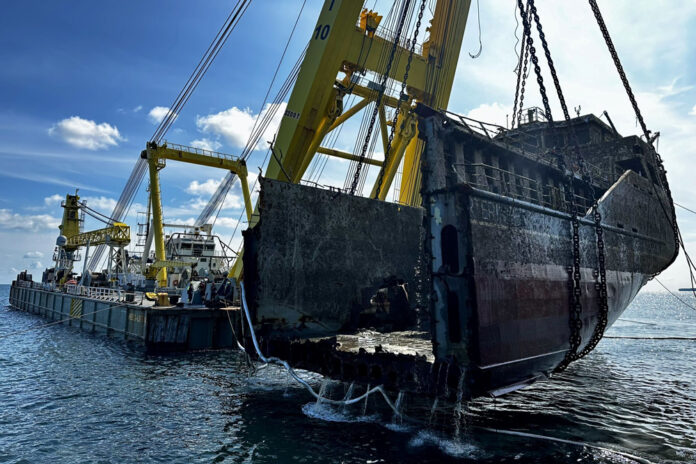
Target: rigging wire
x,y
96,214
684,207
257,131
675,295
380,95
138,173
275,74
478,14
402,96
200,71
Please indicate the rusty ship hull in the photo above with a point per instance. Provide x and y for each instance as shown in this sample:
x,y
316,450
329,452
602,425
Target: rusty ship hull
x,y
485,264
509,322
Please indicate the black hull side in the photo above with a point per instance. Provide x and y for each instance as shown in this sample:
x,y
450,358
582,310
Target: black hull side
x,y
500,284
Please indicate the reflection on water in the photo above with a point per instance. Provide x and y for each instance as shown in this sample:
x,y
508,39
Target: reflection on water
x,y
66,396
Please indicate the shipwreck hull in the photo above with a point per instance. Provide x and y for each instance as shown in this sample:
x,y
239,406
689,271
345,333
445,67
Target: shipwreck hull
x,y
485,266
501,259
504,311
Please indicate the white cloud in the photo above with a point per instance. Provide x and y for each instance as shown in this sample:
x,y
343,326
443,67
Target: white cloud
x,y
53,200
103,205
206,144
37,265
158,113
226,223
33,254
181,222
29,223
205,188
137,108
236,125
693,111
494,113
85,133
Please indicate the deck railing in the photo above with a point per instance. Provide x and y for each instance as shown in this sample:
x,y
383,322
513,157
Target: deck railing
x,y
101,293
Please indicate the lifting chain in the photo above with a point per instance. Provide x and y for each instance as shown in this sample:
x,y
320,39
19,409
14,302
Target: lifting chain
x,y
601,275
549,60
658,159
575,289
521,78
380,96
535,60
403,97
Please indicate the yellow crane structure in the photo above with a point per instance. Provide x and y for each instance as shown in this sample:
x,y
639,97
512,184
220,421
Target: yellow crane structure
x,y
336,55
156,158
117,234
71,239
345,44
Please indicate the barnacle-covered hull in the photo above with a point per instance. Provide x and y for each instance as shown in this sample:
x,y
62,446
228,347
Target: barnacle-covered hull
x,y
485,273
500,255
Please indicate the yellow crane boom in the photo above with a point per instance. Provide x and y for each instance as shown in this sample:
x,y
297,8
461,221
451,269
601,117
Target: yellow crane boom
x,y
118,234
345,43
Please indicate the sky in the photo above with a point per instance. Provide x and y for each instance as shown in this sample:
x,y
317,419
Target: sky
x,y
83,85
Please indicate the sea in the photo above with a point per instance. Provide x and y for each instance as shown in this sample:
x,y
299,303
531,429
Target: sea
x,y
71,397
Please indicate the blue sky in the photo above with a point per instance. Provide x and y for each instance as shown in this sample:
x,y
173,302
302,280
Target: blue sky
x,y
81,81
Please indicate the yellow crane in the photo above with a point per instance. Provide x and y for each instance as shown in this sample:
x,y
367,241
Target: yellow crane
x,y
156,157
71,239
337,47
345,44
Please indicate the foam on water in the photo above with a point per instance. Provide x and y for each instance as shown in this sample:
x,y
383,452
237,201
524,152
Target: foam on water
x,y
458,448
330,413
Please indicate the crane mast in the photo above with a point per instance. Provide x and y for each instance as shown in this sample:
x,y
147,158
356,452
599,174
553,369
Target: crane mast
x,y
337,47
345,44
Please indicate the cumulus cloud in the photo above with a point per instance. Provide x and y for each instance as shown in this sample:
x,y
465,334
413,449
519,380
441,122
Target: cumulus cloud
x,y
85,133
158,113
30,223
493,113
203,188
206,144
37,265
181,222
693,111
33,255
137,108
53,200
104,205
226,223
235,124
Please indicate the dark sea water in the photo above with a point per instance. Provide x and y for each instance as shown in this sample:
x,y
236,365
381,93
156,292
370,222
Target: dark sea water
x,y
67,397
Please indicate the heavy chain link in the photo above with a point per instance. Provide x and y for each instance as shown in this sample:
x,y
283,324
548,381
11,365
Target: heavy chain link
x,y
403,96
575,289
657,158
380,96
601,264
521,78
535,60
549,60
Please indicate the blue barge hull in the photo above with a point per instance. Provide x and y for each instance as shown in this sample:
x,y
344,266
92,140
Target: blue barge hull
x,y
158,329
